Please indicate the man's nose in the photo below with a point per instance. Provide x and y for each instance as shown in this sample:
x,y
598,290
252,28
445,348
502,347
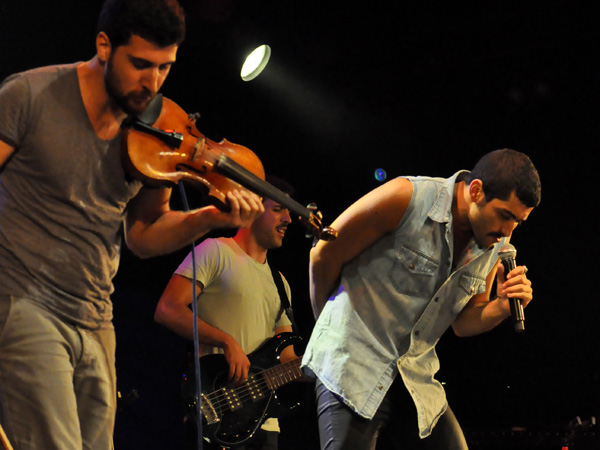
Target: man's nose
x,y
151,79
508,228
287,217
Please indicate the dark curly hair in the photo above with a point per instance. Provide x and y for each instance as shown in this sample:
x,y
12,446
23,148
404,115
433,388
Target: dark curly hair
x,y
161,22
504,171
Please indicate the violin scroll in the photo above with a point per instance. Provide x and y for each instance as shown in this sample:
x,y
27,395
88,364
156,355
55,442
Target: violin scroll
x,y
315,226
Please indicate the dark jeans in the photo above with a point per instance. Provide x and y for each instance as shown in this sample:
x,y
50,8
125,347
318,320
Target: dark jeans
x,y
394,426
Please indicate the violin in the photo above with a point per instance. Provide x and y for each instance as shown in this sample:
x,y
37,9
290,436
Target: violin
x,y
163,146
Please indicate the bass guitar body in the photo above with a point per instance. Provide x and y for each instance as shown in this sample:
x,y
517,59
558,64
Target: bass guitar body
x,y
231,415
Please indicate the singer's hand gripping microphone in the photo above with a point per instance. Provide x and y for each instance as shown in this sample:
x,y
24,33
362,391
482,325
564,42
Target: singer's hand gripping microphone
x,y
507,256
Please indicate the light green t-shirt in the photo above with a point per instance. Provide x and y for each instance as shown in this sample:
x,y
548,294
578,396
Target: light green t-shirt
x,y
239,295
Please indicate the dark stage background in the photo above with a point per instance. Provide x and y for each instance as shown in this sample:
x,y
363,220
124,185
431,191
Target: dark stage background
x,y
416,88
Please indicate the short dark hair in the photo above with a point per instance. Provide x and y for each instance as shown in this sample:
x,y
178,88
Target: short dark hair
x,y
161,22
280,184
505,171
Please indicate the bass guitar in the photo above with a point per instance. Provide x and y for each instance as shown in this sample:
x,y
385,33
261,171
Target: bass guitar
x,y
232,414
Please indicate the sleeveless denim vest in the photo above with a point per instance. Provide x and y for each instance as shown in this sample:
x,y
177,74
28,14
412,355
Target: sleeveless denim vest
x,y
394,302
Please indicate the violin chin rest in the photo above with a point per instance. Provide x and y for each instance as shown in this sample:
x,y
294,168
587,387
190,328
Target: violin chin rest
x,y
152,111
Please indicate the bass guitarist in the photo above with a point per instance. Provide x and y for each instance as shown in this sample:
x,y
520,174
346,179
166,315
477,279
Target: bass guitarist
x,y
239,307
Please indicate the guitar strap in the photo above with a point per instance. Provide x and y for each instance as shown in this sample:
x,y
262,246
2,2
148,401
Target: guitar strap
x,y
285,301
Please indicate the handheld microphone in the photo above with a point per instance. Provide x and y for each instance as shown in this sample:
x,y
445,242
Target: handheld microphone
x,y
507,256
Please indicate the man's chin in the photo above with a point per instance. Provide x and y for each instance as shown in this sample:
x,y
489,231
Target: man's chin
x,y
278,242
132,106
136,107
486,242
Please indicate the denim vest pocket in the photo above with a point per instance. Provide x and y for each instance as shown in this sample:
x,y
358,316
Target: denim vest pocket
x,y
413,271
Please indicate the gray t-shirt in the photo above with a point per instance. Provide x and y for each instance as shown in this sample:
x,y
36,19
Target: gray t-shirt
x,y
62,198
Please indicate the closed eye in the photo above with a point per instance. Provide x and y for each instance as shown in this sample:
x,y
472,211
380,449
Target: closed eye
x,y
141,64
508,216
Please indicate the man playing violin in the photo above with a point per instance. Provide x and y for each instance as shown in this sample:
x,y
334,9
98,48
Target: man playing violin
x,y
66,203
238,305
413,257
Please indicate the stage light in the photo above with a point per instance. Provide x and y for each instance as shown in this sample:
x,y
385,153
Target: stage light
x,y
255,62
380,174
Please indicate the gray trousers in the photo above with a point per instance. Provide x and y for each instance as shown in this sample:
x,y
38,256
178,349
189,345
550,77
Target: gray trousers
x,y
57,381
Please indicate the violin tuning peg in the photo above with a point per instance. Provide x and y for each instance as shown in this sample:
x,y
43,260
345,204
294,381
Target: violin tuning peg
x,y
313,207
195,116
316,229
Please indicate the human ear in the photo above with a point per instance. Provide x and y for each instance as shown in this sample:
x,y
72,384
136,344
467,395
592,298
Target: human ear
x,y
476,190
103,47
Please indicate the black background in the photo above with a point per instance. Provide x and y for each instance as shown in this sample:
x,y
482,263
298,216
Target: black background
x,y
415,88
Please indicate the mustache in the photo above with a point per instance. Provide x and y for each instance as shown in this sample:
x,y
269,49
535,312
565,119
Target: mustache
x,y
141,95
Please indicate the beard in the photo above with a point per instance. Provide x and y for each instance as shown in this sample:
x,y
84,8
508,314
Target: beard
x,y
131,103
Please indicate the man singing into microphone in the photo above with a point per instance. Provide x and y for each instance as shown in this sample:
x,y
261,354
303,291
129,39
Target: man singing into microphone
x,y
413,257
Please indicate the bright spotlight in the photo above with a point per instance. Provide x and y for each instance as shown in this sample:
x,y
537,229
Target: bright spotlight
x,y
255,62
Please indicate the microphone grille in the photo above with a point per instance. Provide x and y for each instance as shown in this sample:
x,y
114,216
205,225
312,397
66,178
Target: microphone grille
x,y
507,251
